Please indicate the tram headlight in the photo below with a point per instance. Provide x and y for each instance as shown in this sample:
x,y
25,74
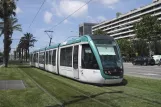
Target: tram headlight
x,y
107,72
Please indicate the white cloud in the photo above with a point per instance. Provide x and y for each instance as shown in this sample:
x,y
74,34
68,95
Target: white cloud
x,y
109,2
111,7
18,10
48,17
66,21
96,20
90,19
67,7
101,18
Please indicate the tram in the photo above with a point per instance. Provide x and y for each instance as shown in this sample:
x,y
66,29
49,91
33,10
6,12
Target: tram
x,y
89,59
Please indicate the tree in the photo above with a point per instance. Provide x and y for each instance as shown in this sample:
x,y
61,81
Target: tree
x,y
1,54
140,47
149,29
29,42
126,47
99,32
13,26
7,8
20,48
24,45
118,14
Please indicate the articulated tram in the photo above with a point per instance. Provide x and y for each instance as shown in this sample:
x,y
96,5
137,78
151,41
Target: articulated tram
x,y
90,59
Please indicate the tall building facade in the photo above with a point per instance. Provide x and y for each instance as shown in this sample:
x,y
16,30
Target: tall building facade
x,y
123,26
85,28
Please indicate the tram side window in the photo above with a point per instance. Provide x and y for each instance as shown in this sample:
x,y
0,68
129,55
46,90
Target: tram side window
x,y
47,57
88,59
30,57
37,57
41,58
75,57
50,56
66,57
69,57
34,58
62,57
54,58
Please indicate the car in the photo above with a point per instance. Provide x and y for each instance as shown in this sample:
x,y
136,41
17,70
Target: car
x,y
156,58
143,61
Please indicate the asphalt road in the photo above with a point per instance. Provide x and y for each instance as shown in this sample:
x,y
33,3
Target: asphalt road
x,y
142,71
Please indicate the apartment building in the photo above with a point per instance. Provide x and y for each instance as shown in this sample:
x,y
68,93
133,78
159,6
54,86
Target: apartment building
x,y
85,28
122,26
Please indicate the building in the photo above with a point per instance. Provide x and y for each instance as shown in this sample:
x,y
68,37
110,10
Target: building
x,y
122,26
85,28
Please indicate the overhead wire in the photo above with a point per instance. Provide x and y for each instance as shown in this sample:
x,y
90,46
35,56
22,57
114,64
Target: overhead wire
x,y
70,15
37,13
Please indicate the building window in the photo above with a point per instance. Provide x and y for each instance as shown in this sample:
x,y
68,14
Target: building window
x,y
88,58
66,57
54,58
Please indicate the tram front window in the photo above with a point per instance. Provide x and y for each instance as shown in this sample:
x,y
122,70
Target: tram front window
x,y
109,54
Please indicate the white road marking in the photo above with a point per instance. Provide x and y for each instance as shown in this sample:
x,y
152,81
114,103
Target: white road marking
x,y
157,68
132,67
150,74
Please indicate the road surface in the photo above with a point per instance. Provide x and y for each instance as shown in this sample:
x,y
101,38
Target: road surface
x,y
143,71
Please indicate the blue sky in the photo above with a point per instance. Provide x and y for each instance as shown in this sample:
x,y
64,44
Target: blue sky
x,y
54,11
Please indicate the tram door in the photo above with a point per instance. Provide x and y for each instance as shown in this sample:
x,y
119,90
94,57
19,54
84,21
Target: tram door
x,y
75,62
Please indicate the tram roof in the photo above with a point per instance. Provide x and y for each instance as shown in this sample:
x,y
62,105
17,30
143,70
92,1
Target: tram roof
x,y
42,49
86,38
76,40
53,46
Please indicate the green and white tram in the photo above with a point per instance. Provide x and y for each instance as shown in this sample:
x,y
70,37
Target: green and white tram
x,y
90,59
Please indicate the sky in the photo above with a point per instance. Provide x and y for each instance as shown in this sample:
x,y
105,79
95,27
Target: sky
x,y
54,11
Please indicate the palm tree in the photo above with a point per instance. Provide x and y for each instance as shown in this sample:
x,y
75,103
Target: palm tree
x,y
7,8
21,47
13,26
29,42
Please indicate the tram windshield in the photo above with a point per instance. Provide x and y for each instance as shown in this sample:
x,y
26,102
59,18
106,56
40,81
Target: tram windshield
x,y
108,53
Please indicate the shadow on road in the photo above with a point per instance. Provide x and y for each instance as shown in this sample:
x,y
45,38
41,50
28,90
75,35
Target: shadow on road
x,y
82,97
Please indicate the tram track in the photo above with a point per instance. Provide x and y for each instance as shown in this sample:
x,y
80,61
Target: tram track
x,y
63,104
84,94
112,90
43,89
88,95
